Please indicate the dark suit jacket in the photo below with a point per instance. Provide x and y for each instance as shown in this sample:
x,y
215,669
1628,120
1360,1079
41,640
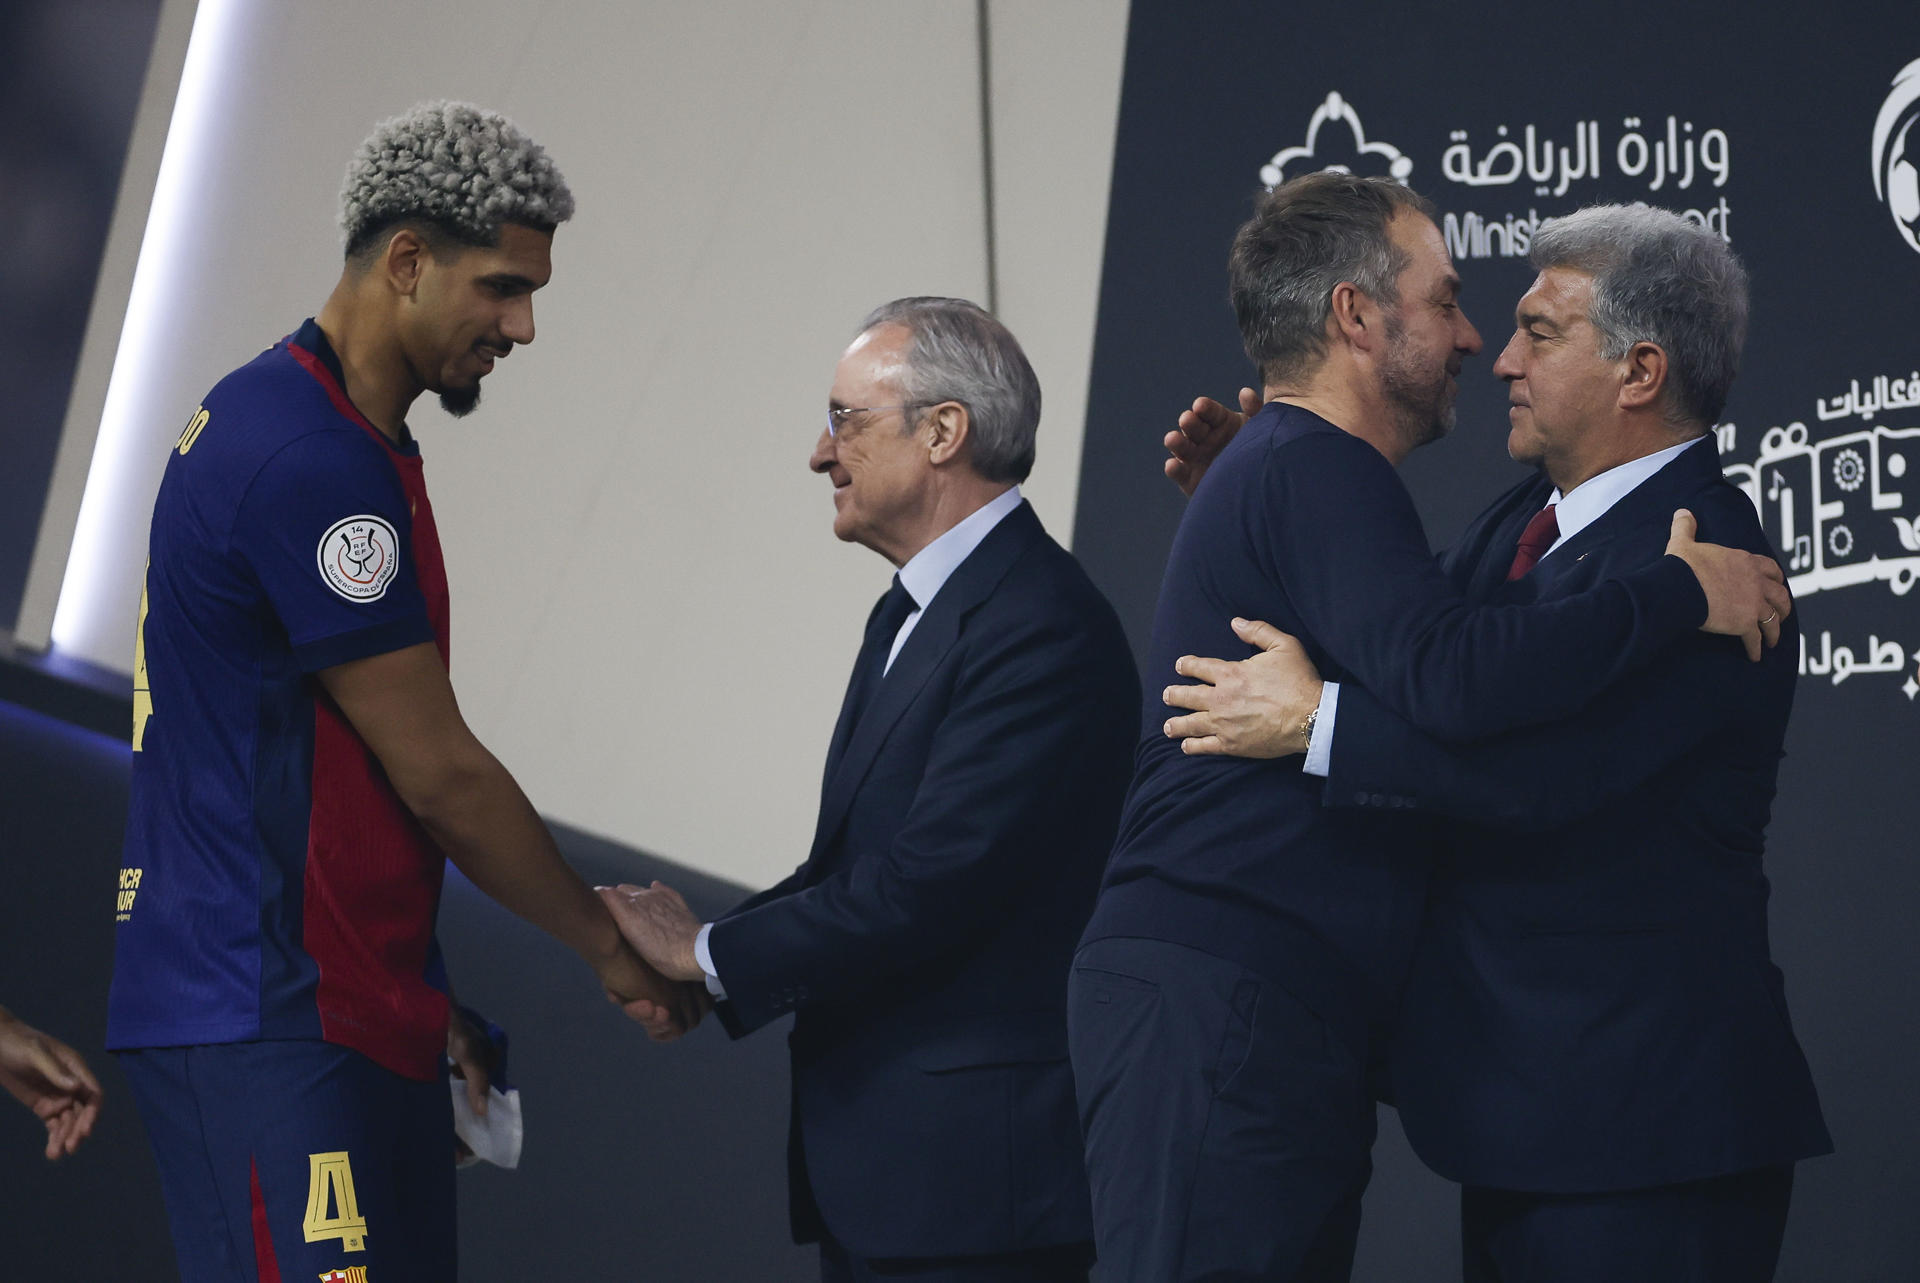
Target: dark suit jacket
x,y
964,821
1593,1006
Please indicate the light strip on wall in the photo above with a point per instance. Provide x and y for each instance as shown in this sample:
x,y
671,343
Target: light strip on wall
x,y
88,620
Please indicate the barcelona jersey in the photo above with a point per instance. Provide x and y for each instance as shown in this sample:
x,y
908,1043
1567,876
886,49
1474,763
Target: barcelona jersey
x,y
274,886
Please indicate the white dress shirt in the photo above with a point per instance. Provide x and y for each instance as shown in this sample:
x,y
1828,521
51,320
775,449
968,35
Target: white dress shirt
x,y
924,575
1574,512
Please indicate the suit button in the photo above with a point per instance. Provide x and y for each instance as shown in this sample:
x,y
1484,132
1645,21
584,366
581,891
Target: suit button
x,y
1379,799
1360,799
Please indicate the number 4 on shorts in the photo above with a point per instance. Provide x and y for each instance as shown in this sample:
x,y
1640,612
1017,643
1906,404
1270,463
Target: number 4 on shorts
x,y
330,1183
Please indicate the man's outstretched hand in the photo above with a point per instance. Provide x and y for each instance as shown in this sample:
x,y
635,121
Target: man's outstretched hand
x,y
51,1079
1203,432
1747,593
1254,707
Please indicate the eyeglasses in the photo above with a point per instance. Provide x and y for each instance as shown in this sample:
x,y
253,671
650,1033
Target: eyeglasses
x,y
837,418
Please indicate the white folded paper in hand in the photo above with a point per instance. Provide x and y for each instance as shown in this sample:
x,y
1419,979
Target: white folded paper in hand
x,y
495,1138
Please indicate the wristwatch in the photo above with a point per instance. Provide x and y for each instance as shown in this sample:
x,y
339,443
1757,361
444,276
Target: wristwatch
x,y
1306,727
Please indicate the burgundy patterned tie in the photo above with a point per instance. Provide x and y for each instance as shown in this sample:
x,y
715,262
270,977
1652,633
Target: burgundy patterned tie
x,y
1534,542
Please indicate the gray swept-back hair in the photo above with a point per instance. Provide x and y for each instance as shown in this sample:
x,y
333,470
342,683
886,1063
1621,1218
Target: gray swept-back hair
x,y
959,352
459,168
1305,237
1658,278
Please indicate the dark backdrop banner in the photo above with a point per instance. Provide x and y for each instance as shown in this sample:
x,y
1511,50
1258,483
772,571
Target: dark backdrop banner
x,y
1792,134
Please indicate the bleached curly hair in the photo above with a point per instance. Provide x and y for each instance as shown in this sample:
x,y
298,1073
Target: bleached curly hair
x,y
459,168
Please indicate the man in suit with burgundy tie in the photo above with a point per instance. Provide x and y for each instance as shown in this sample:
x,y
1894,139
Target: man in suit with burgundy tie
x,y
972,788
1593,1041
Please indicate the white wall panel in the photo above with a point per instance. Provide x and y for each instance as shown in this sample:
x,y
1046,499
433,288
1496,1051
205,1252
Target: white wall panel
x,y
655,621
1056,99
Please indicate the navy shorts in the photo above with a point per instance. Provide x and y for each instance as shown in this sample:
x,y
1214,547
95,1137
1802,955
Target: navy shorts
x,y
298,1161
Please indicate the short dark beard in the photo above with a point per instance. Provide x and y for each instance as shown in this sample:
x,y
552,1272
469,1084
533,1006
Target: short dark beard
x,y
460,402
1424,410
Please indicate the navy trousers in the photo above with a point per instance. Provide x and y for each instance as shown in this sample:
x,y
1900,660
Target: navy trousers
x,y
1724,1230
1228,1130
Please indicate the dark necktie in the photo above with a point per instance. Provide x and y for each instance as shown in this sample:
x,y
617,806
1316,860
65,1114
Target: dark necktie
x,y
893,612
1534,542
881,630
888,614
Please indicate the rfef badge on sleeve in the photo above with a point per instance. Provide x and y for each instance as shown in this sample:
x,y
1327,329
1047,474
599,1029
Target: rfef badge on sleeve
x,y
358,557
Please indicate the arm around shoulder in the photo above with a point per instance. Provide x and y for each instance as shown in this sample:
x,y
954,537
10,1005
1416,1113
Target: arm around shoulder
x,y
1544,777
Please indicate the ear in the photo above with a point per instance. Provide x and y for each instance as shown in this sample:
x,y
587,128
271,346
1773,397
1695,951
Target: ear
x,y
1643,376
404,261
949,430
1355,318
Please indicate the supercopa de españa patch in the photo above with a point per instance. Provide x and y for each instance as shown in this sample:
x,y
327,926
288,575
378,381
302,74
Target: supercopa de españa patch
x,y
358,557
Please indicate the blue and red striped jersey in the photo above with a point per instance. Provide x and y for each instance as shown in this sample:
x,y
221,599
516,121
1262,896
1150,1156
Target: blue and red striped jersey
x,y
274,884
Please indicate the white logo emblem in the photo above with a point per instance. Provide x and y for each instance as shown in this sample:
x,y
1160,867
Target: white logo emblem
x,y
1339,157
1896,153
358,557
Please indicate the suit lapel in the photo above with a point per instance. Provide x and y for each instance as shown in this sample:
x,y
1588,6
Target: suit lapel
x,y
1653,500
843,728
860,739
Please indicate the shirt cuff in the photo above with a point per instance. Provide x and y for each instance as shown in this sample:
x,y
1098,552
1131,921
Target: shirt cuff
x,y
703,954
1320,751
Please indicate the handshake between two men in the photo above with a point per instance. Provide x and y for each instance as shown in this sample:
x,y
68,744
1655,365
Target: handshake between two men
x,y
660,927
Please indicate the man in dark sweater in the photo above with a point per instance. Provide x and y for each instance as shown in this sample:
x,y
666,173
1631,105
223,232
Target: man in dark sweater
x,y
1241,966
